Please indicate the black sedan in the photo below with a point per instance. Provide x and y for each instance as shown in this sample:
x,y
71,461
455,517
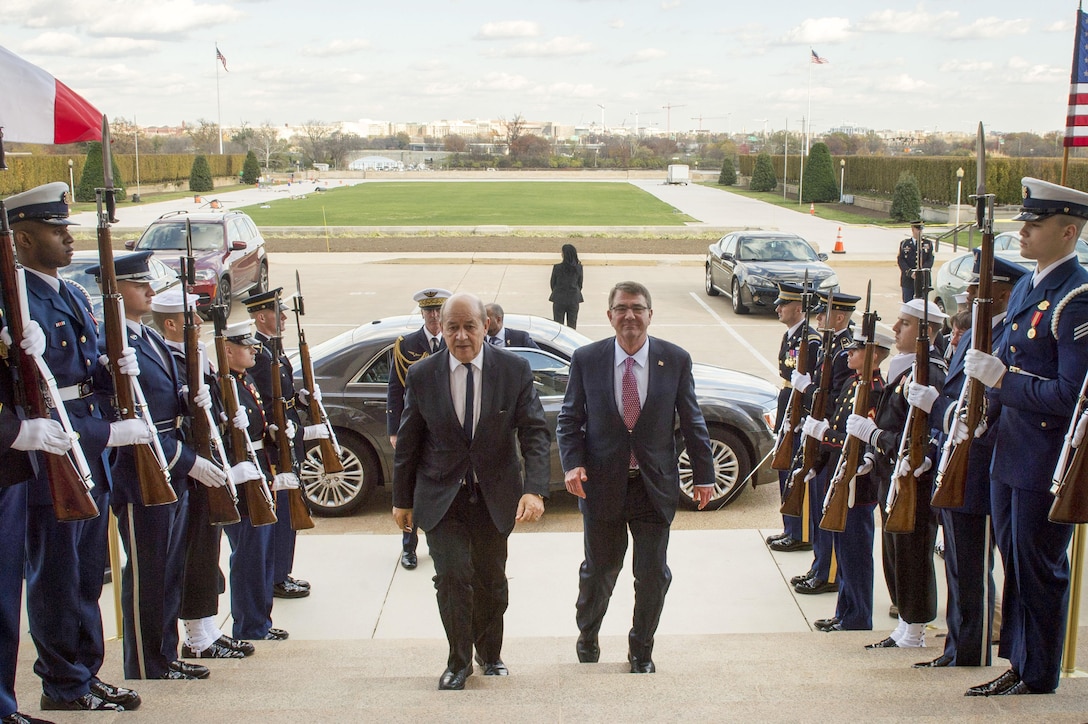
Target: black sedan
x,y
749,265
353,371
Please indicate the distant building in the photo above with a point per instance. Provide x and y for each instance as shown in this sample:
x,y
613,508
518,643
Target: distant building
x,y
375,163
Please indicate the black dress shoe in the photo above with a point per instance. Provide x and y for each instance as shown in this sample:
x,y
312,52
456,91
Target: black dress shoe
x,y
171,675
87,702
888,643
492,668
20,718
937,663
777,536
1007,680
287,589
298,582
802,578
789,545
454,680
813,586
245,647
276,634
589,650
827,624
641,666
197,671
215,651
115,694
1019,688
408,560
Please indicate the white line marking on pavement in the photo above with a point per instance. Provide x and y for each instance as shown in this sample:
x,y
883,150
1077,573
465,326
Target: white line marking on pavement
x,y
744,343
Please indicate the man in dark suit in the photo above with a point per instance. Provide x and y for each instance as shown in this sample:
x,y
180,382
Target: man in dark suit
x,y
616,441
501,336
408,350
468,412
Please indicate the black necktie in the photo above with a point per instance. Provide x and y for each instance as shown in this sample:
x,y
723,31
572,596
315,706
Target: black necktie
x,y
434,344
470,397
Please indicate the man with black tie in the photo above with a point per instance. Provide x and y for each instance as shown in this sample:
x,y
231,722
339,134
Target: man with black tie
x,y
408,350
616,441
501,336
468,412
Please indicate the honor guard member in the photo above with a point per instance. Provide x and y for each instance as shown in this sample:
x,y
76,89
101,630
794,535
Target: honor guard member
x,y
408,350
269,320
202,580
788,307
154,536
821,576
65,560
908,258
854,545
501,336
1036,377
16,437
251,560
968,541
908,557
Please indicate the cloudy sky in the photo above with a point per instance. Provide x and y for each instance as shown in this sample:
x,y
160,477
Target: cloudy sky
x,y
722,65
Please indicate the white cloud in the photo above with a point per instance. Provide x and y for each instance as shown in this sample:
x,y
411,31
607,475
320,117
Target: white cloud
x,y
335,47
556,47
508,29
965,66
1025,71
643,56
818,30
616,24
116,48
51,43
903,83
571,90
905,21
1059,26
502,82
670,4
992,29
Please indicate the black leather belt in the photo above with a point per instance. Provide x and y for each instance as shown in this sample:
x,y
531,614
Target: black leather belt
x,y
634,473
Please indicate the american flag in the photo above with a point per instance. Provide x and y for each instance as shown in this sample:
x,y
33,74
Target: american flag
x,y
1076,123
817,59
221,58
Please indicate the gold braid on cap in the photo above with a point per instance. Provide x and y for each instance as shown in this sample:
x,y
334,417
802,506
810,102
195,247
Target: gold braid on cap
x,y
1061,305
402,361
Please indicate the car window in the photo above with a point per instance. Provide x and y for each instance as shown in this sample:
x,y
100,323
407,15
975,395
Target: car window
x,y
550,375
237,232
729,245
962,267
163,236
377,372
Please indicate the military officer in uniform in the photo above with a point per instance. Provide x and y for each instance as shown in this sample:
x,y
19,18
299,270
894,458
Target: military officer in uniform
x,y
789,307
408,350
1036,376
65,560
908,258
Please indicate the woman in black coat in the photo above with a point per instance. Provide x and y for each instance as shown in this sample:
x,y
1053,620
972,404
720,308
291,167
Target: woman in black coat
x,y
566,286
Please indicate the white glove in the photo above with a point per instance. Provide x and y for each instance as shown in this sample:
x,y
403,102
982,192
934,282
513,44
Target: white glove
x,y
284,481
861,427
1078,431
800,381
866,463
815,428
42,433
208,473
304,394
274,430
315,432
203,397
922,396
809,476
33,341
129,432
904,467
243,472
127,362
983,367
241,419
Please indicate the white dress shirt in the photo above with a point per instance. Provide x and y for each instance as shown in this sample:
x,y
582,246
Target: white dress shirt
x,y
640,370
458,374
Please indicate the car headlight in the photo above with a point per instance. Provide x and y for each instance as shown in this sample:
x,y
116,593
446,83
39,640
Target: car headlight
x,y
204,275
770,417
831,281
755,280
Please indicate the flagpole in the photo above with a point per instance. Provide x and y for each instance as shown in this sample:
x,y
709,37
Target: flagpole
x,y
218,105
785,156
808,135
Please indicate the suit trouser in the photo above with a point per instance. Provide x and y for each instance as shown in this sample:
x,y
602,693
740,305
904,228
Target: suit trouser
x,y
969,568
908,559
154,542
605,547
570,311
251,581
823,541
1035,600
854,554
202,582
791,524
284,539
12,562
469,555
65,567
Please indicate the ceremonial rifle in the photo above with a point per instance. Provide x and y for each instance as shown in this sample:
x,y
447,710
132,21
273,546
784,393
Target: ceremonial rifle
x,y
840,491
782,457
914,442
152,471
222,501
1070,484
68,474
950,488
793,498
259,502
300,512
330,446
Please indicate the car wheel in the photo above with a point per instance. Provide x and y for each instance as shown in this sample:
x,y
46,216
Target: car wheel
x,y
732,467
224,296
341,493
262,279
710,290
738,306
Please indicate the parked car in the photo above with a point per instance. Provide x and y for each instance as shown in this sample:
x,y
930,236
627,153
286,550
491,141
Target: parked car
x,y
749,265
954,275
228,248
353,371
82,260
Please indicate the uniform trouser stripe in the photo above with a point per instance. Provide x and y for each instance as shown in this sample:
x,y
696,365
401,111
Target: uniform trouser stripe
x,y
134,567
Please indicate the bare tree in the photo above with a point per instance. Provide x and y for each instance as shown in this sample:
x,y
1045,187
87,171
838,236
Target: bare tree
x,y
514,128
314,141
205,136
267,141
123,136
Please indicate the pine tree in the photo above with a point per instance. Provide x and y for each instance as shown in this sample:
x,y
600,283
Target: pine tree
x,y
200,177
819,179
763,176
92,177
906,199
251,170
728,176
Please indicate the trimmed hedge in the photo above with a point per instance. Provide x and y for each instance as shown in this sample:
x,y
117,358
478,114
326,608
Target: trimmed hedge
x,y
26,172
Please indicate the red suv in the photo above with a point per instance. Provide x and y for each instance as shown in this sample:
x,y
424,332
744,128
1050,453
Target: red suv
x,y
229,252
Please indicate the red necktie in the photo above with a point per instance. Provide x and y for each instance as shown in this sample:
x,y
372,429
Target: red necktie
x,y
631,406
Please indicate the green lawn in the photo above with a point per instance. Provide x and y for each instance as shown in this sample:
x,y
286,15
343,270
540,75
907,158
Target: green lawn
x,y
473,204
835,212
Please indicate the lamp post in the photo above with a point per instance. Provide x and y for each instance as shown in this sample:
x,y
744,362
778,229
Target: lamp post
x,y
842,179
71,180
959,189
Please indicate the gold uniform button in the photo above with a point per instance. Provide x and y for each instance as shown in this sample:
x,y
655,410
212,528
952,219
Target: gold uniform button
x,y
83,339
1015,326
64,343
1043,424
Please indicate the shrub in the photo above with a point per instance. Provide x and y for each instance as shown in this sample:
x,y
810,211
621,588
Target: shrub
x,y
251,170
92,177
819,180
763,177
200,176
906,199
728,176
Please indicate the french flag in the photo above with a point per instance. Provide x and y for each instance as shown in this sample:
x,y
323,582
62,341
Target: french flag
x,y
35,107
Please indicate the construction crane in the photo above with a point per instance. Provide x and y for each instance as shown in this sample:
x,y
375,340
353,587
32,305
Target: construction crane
x,y
709,118
668,116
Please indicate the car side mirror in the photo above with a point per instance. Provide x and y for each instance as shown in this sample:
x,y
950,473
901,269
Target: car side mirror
x,y
130,244
821,256
726,256
238,246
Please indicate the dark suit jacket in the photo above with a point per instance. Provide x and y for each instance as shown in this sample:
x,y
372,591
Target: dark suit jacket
x,y
592,434
434,453
408,350
517,338
566,284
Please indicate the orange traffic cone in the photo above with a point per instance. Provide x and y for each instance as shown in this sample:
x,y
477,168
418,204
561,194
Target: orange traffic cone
x,y
839,248
812,208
